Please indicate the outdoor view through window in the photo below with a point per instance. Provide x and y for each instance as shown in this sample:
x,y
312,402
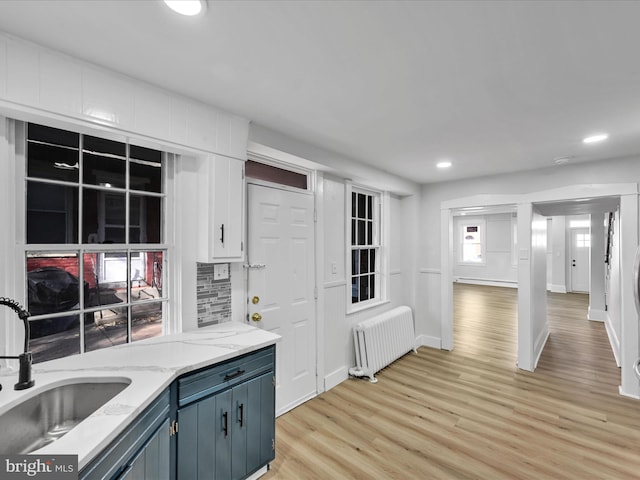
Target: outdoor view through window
x,y
94,251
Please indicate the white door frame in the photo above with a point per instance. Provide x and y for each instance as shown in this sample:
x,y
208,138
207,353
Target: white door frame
x,y
573,251
315,189
527,358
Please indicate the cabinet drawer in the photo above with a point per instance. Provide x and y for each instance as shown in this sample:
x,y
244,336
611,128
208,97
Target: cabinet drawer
x,y
194,386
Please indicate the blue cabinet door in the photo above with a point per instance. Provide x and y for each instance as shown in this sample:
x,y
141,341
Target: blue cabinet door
x,y
152,462
261,422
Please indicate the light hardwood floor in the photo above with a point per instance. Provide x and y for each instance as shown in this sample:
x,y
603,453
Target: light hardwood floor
x,y
470,413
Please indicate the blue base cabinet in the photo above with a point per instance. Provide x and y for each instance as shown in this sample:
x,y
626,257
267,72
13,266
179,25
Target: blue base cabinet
x,y
226,419
214,423
141,452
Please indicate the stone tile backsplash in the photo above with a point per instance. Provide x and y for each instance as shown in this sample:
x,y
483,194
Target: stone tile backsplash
x,y
214,296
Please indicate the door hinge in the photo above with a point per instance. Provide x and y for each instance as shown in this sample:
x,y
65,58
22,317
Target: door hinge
x,y
315,292
242,246
315,216
273,381
273,444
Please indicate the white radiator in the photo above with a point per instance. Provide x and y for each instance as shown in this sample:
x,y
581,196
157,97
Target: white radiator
x,y
381,340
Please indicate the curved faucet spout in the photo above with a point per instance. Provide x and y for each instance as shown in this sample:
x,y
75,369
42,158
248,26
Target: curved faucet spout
x,y
24,374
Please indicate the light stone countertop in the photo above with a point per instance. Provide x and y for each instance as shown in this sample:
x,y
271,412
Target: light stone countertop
x,y
150,365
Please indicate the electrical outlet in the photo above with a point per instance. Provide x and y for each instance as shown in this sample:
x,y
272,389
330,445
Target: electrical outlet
x,y
221,271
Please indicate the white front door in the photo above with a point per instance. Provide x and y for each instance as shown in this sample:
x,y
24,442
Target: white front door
x,y
281,286
580,246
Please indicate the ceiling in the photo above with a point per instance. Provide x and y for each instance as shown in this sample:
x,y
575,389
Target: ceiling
x,y
491,86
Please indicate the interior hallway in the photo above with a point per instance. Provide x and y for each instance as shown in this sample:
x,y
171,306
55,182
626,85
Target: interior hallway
x,y
470,413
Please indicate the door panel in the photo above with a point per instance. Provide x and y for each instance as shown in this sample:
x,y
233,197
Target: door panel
x,y
281,236
580,247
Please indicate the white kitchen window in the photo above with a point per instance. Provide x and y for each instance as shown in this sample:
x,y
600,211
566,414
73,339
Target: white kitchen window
x,y
365,249
471,245
94,240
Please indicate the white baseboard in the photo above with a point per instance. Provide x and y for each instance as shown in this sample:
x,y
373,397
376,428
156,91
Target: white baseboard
x,y
335,378
614,341
259,473
557,288
539,345
489,283
596,315
427,341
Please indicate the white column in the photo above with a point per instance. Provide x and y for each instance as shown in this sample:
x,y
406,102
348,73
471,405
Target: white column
x,y
597,269
630,351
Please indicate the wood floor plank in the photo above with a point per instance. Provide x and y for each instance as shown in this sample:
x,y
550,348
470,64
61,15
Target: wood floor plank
x,y
470,413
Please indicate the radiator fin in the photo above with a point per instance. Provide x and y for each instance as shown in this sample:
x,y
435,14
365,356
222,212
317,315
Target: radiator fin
x,y
381,340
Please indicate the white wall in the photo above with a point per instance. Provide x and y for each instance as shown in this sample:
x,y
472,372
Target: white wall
x,y
597,268
613,319
338,348
497,268
557,251
538,262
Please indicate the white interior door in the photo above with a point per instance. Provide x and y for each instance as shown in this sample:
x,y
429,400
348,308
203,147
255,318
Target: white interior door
x,y
580,247
281,286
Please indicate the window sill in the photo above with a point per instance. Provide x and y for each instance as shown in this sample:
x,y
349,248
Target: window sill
x,y
362,307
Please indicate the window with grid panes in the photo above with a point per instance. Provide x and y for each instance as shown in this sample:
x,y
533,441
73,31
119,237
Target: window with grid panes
x,y
365,247
94,248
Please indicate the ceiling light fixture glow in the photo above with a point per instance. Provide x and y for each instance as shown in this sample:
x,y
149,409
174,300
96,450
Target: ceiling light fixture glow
x,y
189,8
596,138
445,164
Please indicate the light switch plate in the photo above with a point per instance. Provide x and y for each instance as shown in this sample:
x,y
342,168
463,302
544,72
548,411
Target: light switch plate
x,y
221,271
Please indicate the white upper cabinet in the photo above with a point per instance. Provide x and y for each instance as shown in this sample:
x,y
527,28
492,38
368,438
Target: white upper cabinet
x,y
220,209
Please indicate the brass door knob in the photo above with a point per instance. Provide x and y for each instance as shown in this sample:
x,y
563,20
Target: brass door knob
x,y
255,299
256,317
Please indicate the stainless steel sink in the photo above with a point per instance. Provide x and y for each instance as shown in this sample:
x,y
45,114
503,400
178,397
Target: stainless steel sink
x,y
42,419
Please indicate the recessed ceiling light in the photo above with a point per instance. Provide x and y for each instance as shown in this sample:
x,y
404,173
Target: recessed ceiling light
x,y
596,138
187,7
445,164
561,160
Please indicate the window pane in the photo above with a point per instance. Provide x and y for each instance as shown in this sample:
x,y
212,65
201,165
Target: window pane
x,y
353,205
353,232
364,288
105,328
146,275
369,233
355,266
364,261
103,219
472,252
144,218
51,135
105,278
52,283
146,321
361,232
372,286
52,213
104,171
273,174
54,337
355,296
362,199
51,162
372,260
369,207
104,146
145,176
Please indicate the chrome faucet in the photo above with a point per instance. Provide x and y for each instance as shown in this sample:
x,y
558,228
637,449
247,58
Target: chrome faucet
x,y
25,359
